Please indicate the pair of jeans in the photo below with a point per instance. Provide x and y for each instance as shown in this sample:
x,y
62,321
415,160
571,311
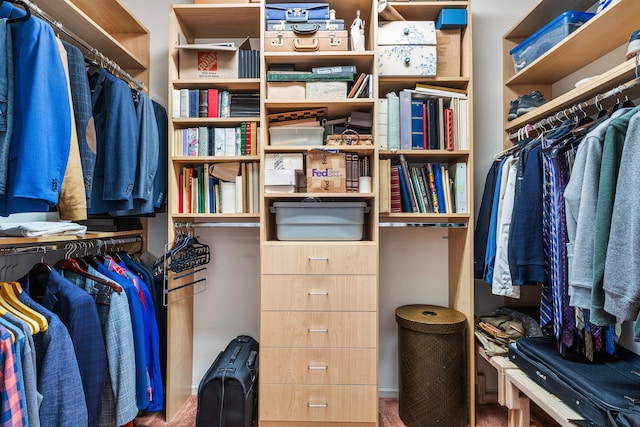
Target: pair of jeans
x,y
6,100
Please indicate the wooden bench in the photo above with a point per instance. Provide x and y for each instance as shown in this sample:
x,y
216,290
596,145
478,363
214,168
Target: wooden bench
x,y
516,391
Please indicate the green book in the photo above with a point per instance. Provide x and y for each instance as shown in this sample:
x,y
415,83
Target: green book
x,y
307,76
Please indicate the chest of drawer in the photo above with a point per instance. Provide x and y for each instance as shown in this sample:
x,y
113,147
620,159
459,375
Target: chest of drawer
x,y
319,292
318,365
319,258
318,329
304,403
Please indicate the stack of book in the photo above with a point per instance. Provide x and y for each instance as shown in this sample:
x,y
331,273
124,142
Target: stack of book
x,y
248,64
213,103
225,188
319,83
429,117
218,141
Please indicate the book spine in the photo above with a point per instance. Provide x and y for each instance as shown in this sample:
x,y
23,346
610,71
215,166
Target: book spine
x,y
203,141
460,187
432,124
405,120
404,191
416,189
203,103
437,172
184,103
193,103
417,125
396,199
432,188
224,109
393,121
192,141
407,180
448,123
383,106
249,148
334,70
348,172
355,172
175,103
212,103
243,138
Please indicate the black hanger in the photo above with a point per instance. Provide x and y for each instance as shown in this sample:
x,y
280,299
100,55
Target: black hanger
x,y
26,10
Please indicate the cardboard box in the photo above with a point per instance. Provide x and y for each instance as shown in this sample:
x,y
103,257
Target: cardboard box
x,y
326,172
286,90
448,53
326,90
209,60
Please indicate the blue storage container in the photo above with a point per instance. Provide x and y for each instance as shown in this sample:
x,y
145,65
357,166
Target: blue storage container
x,y
547,37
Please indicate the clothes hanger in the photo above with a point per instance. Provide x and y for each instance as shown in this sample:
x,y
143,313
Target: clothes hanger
x,y
71,265
34,328
8,292
27,11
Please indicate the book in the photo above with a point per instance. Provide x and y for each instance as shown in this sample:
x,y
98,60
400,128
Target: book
x,y
458,172
184,103
384,191
440,91
448,129
255,166
175,103
363,90
228,197
194,99
437,172
383,106
203,102
207,190
334,69
212,103
249,126
417,124
229,142
440,109
393,121
243,138
239,197
307,76
407,180
433,138
425,181
404,191
405,120
394,189
432,187
224,104
356,86
203,141
446,187
417,190
219,141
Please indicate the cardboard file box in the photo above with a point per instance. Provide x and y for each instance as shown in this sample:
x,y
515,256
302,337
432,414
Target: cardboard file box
x,y
286,90
448,53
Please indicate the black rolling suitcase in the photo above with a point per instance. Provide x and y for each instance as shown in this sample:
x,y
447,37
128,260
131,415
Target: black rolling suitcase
x,y
605,393
228,392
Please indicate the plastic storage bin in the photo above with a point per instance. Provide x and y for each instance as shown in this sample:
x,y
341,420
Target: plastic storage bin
x,y
319,220
296,135
547,37
432,360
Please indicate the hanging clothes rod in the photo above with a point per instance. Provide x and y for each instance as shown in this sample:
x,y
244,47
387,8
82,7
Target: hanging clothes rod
x,y
216,224
425,224
95,53
575,108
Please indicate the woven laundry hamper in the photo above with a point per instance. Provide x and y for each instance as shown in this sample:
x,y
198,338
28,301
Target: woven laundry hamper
x,y
432,366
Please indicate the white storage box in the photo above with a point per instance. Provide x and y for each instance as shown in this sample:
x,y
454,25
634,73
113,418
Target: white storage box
x,y
296,135
319,220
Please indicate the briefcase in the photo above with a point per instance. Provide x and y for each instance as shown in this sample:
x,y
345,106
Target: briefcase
x,y
299,41
296,12
311,25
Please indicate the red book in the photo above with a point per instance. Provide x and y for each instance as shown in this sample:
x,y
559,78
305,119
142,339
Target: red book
x,y
212,103
396,201
448,129
249,130
180,193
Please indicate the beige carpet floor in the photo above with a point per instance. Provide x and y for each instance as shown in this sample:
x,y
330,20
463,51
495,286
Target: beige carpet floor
x,y
490,415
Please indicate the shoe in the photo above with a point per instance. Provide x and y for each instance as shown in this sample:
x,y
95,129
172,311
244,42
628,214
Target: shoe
x,y
513,109
634,44
530,102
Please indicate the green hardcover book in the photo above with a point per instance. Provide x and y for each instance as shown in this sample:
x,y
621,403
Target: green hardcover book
x,y
306,76
243,138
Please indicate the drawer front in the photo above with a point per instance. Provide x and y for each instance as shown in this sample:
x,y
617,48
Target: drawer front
x,y
319,292
407,60
318,403
318,329
406,32
319,258
318,366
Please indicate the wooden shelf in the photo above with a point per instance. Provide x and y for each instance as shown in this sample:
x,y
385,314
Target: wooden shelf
x,y
107,26
25,241
425,10
211,121
617,22
221,84
335,108
219,20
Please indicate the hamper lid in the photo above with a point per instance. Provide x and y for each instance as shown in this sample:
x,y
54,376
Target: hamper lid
x,y
430,318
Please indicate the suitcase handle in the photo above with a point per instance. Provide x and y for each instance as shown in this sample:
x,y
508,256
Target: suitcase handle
x,y
251,360
313,46
305,28
297,15
236,352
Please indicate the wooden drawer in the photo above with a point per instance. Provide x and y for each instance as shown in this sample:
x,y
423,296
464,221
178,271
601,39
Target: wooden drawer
x,y
318,366
319,292
356,403
318,329
319,258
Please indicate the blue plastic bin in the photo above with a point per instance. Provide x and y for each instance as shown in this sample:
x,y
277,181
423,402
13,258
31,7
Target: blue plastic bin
x,y
547,37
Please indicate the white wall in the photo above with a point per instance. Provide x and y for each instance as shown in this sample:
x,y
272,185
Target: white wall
x,y
412,261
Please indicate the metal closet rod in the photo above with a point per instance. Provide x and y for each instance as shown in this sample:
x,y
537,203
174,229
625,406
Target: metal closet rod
x,y
98,56
381,224
575,108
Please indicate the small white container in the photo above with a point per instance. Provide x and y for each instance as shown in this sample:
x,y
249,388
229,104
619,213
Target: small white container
x,y
319,220
296,135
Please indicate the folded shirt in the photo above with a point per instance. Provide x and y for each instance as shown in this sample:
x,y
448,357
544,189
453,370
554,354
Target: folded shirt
x,y
41,228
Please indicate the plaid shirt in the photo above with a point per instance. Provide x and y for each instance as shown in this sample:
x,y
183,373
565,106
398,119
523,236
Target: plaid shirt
x,y
12,411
